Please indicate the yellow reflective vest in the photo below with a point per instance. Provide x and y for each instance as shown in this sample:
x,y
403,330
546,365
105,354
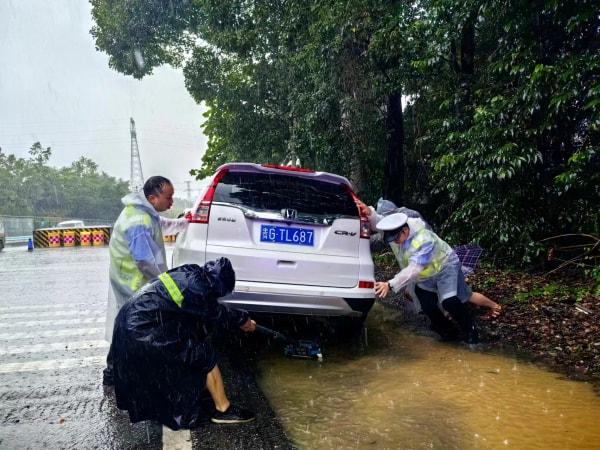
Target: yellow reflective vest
x,y
138,216
426,249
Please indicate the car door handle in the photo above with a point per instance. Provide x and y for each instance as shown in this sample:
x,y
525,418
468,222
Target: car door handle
x,y
285,263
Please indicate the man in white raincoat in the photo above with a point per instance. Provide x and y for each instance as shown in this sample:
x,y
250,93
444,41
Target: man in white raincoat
x,y
428,261
416,221
137,251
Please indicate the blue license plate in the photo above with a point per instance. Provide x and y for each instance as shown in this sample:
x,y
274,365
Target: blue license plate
x,y
287,235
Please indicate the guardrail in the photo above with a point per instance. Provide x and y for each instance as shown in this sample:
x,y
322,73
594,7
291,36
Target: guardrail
x,y
70,237
17,239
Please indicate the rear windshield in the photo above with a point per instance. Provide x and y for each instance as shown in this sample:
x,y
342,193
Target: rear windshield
x,y
273,192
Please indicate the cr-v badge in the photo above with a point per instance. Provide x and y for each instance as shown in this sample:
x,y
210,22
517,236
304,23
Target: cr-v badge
x,y
345,233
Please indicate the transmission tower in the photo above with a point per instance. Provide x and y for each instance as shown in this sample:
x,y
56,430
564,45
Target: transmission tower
x,y
136,177
188,190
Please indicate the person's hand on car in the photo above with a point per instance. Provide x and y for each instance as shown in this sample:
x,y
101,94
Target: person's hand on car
x,y
382,289
249,326
363,208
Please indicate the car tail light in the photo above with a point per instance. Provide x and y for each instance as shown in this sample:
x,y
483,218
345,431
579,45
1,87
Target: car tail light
x,y
290,168
365,226
203,210
366,284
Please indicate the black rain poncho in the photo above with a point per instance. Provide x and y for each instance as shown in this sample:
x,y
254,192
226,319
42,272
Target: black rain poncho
x,y
161,354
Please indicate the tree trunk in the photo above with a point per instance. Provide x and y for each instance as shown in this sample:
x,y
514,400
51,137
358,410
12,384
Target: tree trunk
x,y
466,71
394,167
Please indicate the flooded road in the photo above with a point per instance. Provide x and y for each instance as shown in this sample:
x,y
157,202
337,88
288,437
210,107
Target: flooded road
x,y
412,392
400,390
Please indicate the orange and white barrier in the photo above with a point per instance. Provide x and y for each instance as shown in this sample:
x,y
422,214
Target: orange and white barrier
x,y
97,237
85,238
53,239
69,237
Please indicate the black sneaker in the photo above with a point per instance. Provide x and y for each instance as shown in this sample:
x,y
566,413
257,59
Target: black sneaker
x,y
233,414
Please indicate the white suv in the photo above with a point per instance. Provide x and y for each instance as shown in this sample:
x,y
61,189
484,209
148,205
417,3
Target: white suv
x,y
294,237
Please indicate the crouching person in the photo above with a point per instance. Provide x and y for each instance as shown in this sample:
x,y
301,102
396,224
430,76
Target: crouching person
x,y
431,263
162,358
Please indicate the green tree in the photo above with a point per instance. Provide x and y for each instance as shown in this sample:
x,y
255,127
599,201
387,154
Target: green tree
x,y
514,138
484,115
30,187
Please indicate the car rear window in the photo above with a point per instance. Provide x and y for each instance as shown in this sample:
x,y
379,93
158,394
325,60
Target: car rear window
x,y
274,192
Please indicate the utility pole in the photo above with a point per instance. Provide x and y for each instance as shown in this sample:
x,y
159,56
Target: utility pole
x,y
136,177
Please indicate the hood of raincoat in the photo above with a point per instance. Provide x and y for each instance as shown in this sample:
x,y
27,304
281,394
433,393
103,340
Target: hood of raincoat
x,y
139,200
387,207
214,280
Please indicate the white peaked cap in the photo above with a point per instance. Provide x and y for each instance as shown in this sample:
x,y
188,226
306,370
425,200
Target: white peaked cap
x,y
392,222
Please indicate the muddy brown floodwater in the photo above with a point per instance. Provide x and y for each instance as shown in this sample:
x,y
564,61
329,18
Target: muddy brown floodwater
x,y
403,390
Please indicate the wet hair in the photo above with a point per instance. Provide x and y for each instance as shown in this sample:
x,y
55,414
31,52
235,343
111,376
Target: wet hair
x,y
154,185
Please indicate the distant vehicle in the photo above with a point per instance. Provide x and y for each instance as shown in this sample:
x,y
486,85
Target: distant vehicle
x,y
2,236
294,237
70,224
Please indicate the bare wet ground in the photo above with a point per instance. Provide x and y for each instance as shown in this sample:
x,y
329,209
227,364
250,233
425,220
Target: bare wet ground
x,y
265,432
52,351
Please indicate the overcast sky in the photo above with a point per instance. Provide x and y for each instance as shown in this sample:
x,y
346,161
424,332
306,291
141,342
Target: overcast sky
x,y
57,89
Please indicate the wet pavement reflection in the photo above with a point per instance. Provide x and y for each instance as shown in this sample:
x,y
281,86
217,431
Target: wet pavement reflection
x,y
403,390
52,351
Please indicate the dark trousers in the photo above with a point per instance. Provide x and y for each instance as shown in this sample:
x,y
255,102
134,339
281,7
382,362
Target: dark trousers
x,y
107,376
459,312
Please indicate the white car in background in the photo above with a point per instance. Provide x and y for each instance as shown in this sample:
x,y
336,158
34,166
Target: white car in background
x,y
294,237
70,224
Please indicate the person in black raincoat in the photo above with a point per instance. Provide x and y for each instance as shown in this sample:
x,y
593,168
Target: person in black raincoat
x,y
162,358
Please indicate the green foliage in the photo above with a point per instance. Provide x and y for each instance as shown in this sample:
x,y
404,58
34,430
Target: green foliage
x,y
555,292
29,187
501,135
385,259
522,163
595,276
487,283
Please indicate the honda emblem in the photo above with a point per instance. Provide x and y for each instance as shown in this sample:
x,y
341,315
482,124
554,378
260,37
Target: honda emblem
x,y
289,213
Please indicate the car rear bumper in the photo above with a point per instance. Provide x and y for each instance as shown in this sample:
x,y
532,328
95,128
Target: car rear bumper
x,y
302,300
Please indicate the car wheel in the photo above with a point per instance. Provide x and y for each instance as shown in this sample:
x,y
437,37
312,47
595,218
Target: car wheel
x,y
348,327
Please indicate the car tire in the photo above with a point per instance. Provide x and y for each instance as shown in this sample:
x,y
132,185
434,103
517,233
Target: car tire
x,y
348,327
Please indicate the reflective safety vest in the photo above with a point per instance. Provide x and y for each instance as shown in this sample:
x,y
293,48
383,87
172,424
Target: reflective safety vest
x,y
439,254
172,288
123,269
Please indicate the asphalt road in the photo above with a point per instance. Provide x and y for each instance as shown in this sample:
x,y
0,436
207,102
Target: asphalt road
x,y
52,352
52,310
